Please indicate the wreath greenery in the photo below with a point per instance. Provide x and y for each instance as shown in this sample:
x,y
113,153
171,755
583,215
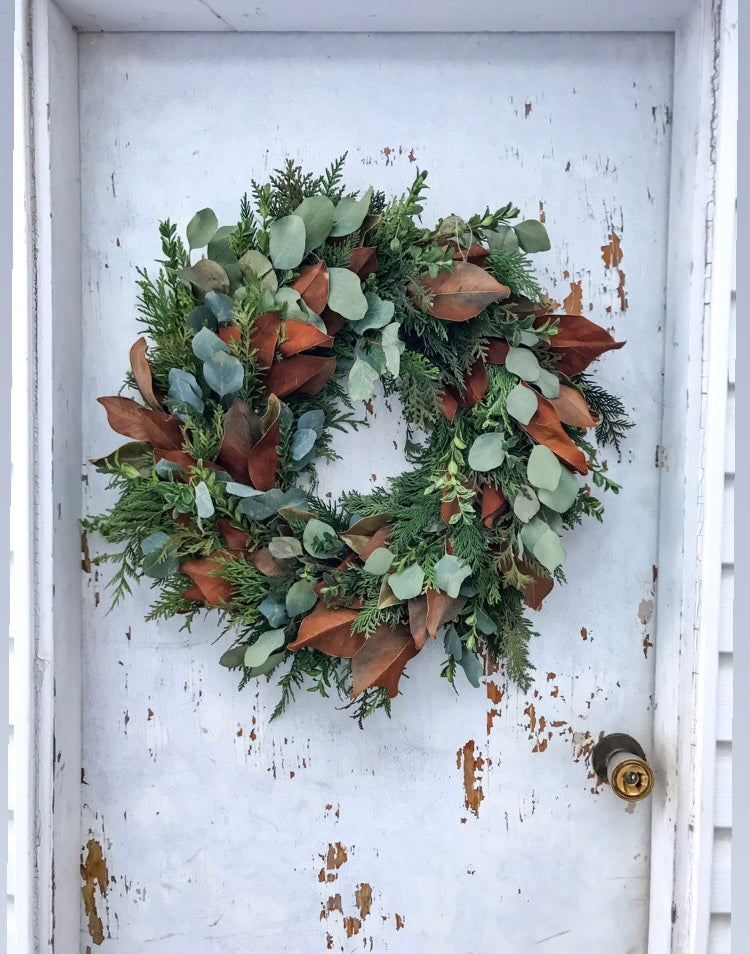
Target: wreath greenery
x,y
261,349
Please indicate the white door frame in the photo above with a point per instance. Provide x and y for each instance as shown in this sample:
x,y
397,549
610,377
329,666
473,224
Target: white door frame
x,y
691,456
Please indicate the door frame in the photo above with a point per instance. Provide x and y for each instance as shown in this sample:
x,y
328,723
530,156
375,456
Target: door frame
x,y
46,307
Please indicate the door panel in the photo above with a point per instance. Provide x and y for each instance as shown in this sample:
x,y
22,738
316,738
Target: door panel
x,y
467,823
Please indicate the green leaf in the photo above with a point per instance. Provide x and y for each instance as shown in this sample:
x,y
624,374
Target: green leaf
x,y
223,373
362,378
159,563
393,347
206,343
300,598
526,505
201,317
287,242
233,658
522,403
501,239
452,643
487,452
523,362
450,572
532,236
379,561
154,542
274,611
256,263
315,420
532,531
549,550
316,212
204,505
543,469
205,276
284,548
349,214
303,442
219,248
563,496
202,228
548,383
263,646
317,539
379,313
222,306
407,583
261,506
485,623
472,666
242,490
345,294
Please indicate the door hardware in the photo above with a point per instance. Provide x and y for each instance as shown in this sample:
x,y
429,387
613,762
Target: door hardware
x,y
621,762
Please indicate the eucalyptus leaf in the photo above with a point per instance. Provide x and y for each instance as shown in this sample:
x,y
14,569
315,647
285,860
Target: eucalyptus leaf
x,y
233,658
450,572
407,583
525,505
242,490
523,362
303,442
266,644
314,420
318,538
532,531
345,294
219,249
255,262
501,239
206,343
202,317
486,452
154,542
158,562
349,214
564,495
532,236
284,548
522,403
286,238
393,347
204,505
274,611
223,373
379,313
472,666
202,228
362,378
316,212
485,623
300,598
270,664
452,643
549,550
548,383
205,276
261,506
222,307
543,469
529,339
379,562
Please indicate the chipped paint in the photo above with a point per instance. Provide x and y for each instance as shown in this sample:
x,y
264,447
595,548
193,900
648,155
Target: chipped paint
x,y
85,556
612,252
399,922
573,304
363,899
352,926
526,110
473,765
645,611
95,875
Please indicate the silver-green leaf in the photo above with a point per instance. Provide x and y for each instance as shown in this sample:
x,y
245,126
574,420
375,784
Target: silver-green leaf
x,y
202,228
263,646
379,561
345,294
223,373
532,236
522,362
522,403
543,469
487,452
407,583
450,572
287,242
349,214
316,212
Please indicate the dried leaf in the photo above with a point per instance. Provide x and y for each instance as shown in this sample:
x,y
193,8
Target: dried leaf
x,y
363,261
300,336
303,372
125,417
381,660
330,631
333,322
378,539
312,286
182,460
497,351
201,571
476,255
580,342
476,383
572,409
162,430
539,587
493,503
463,293
449,508
241,431
358,536
206,276
235,539
449,404
441,609
264,335
263,457
229,333
545,428
142,373
267,564
418,620
194,593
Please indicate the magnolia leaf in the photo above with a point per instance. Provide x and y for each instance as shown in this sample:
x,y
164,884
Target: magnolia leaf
x,y
571,408
125,417
487,452
525,505
407,583
206,343
241,431
502,238
450,572
318,539
137,455
441,609
379,313
223,373
545,428
274,611
379,562
142,373
476,382
532,236
201,228
562,497
312,286
263,458
316,212
303,442
204,573
579,341
363,261
362,379
345,294
300,598
472,666
381,661
202,317
204,505
463,292
307,373
257,263
286,239
264,645
522,362
299,336
543,469
235,538
222,306
330,631
349,214
285,548
493,503
205,276
549,550
267,564
548,383
522,403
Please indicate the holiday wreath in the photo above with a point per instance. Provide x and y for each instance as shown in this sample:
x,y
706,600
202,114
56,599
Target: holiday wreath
x,y
258,352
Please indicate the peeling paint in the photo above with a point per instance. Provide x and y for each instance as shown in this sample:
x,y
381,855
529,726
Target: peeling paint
x,y
645,611
612,252
363,899
352,926
399,922
526,109
473,767
85,556
573,304
94,874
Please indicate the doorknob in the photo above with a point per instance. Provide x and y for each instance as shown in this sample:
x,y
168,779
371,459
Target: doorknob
x,y
621,762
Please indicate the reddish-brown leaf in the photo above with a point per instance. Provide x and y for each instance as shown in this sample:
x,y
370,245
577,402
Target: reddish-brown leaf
x,y
448,508
449,404
142,373
476,254
363,261
194,593
303,372
229,333
540,587
572,409
263,459
332,320
201,571
264,336
463,292
162,430
241,431
381,660
330,631
545,428
580,342
493,504
378,539
301,336
418,620
359,534
441,608
312,286
125,417
267,564
497,351
235,539
182,459
476,383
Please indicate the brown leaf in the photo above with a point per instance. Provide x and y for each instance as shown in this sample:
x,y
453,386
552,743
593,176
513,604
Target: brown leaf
x,y
476,254
580,342
381,660
330,631
182,460
162,430
267,564
441,608
263,458
493,503
448,508
332,320
241,431
142,373
476,383
264,335
378,539
300,336
125,417
235,538
229,333
363,261
540,586
545,428
418,620
359,534
386,596
303,372
572,409
463,293
215,590
449,404
497,351
312,286
193,593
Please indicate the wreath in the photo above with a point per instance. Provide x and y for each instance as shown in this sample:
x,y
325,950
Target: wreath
x,y
263,347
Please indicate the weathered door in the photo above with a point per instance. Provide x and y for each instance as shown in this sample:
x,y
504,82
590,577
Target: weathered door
x,y
466,824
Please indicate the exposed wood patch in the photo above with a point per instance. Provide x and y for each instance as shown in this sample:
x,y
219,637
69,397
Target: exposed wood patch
x,y
573,304
94,874
363,899
85,556
473,765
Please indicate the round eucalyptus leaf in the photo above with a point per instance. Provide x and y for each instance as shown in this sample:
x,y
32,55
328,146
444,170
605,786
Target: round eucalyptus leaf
x,y
300,598
285,548
315,420
487,452
532,236
522,403
548,383
362,379
202,317
526,505
349,214
345,295
223,373
222,307
407,583
264,645
379,562
202,228
274,611
549,550
318,539
303,442
379,313
233,658
206,343
532,531
286,239
450,572
452,643
271,663
316,212
523,362
204,505
564,495
255,262
501,239
154,542
543,469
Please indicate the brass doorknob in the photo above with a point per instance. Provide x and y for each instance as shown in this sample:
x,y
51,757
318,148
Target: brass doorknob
x,y
621,762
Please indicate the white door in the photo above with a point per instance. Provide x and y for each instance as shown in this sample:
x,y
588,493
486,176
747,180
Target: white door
x,y
468,824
